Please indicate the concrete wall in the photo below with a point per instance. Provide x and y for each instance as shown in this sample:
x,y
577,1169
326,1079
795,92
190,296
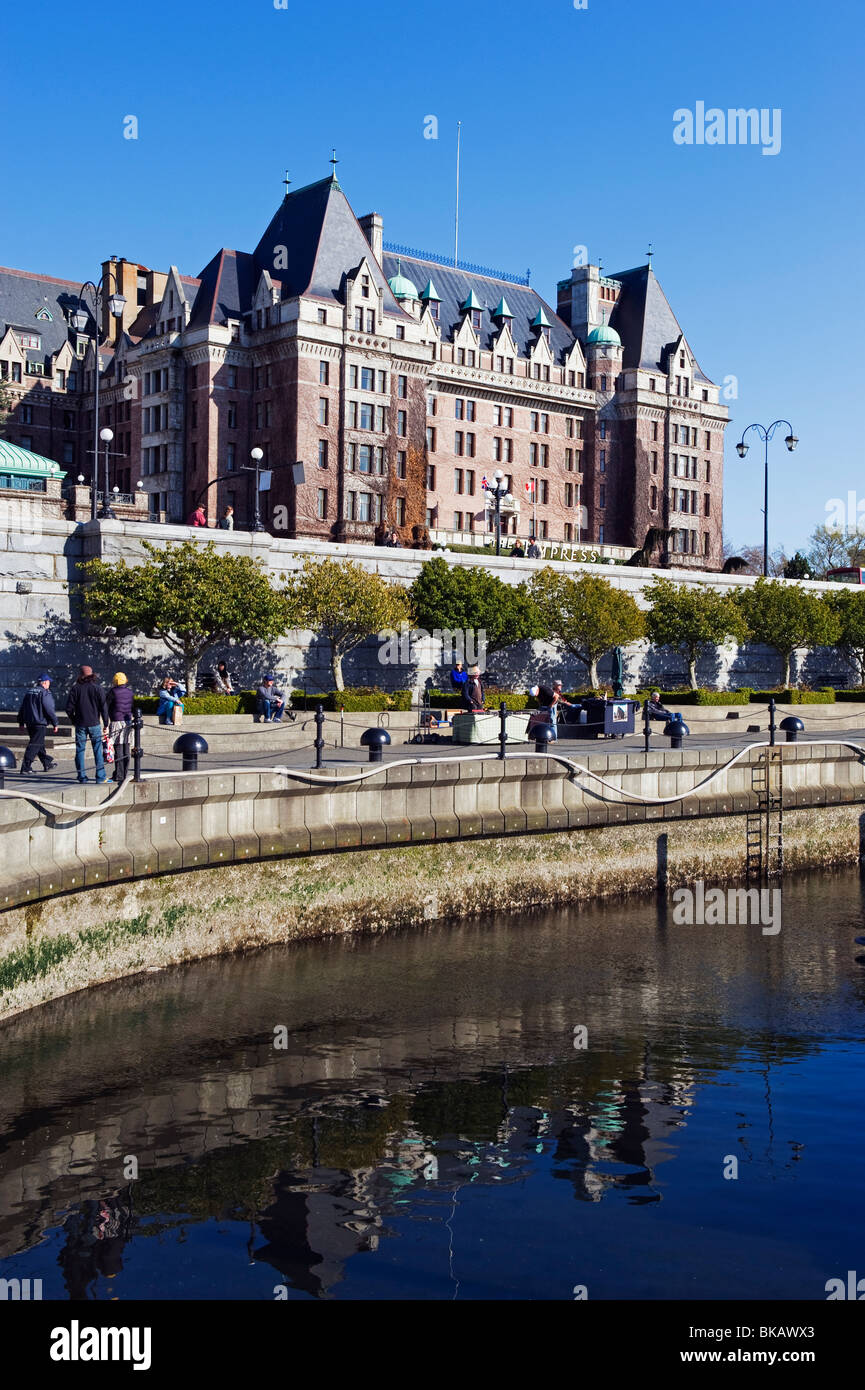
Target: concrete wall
x,y
37,626
170,823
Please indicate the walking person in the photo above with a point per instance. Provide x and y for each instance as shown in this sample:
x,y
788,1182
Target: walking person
x,y
37,713
119,723
226,521
88,712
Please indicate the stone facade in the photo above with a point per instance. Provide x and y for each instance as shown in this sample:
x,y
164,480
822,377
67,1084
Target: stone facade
x,y
398,380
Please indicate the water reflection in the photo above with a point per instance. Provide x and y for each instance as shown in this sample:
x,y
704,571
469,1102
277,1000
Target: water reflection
x,y
430,1129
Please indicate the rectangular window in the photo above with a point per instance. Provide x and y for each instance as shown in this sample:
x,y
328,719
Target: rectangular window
x,y
600,535
458,521
232,415
322,453
231,378
431,405
707,502
459,408
322,410
509,451
60,378
509,417
231,458
497,449
352,376
569,460
323,373
400,511
533,454
400,331
543,492
364,458
431,477
259,415
602,496
431,438
497,415
68,453
16,371
401,423
470,445
321,501
535,418
25,415
708,439
370,320
402,387
381,382
545,456
569,494
367,379
653,502
470,410
358,320
401,463
708,471
458,480
654,463
364,506
458,442
380,419
365,415
545,424
544,530
322,316
654,431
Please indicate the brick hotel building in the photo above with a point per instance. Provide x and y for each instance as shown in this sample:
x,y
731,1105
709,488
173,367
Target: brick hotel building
x,y
399,380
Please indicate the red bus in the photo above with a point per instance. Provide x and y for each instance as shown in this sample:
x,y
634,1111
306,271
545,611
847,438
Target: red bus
x,y
846,576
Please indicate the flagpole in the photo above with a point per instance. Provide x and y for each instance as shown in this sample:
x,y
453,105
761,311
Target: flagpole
x,y
457,214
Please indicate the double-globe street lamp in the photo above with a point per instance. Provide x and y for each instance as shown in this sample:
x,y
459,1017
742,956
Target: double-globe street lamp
x,y
498,491
765,432
80,320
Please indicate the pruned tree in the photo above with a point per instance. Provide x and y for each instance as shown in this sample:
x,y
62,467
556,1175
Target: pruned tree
x,y
468,598
586,616
691,619
345,604
849,610
188,596
786,617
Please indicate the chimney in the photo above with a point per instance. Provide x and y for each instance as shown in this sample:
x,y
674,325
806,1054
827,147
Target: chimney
x,y
373,228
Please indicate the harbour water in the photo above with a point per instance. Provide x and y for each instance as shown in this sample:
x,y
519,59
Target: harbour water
x,y
593,1103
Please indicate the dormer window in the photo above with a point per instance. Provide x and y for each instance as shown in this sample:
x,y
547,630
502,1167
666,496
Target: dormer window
x,y
476,318
364,286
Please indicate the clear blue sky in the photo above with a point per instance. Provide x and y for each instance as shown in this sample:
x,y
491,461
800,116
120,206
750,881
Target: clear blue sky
x,y
567,119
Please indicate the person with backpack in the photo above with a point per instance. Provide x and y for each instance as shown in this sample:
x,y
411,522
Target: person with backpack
x,y
37,713
120,720
88,711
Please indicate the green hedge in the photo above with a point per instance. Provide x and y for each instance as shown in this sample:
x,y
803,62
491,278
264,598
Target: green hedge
x,y
856,697
241,703
793,697
363,699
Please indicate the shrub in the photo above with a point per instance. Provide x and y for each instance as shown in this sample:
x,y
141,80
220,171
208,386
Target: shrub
x,y
792,696
856,697
360,698
242,703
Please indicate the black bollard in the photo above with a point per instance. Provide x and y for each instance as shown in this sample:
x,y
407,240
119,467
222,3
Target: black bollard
x,y
674,729
503,730
7,762
189,746
792,727
137,725
772,725
543,737
375,740
319,735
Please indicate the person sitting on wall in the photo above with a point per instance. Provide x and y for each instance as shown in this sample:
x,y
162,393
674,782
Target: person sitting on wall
x,y
170,707
655,708
271,702
473,691
222,680
459,676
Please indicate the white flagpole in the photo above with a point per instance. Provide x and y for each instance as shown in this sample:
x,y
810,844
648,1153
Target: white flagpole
x,y
457,214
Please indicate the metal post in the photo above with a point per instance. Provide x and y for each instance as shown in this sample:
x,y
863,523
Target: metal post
x,y
94,472
256,525
647,727
137,723
503,729
772,721
766,512
319,736
342,726
498,522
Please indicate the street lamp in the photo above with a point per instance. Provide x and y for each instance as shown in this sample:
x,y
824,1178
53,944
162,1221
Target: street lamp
x,y
256,455
79,319
106,514
498,490
765,433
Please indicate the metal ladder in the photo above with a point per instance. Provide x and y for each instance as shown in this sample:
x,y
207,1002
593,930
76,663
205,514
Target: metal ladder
x,y
764,824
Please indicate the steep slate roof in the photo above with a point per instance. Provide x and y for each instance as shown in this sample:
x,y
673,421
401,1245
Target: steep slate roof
x,y
22,294
227,284
455,286
323,241
645,322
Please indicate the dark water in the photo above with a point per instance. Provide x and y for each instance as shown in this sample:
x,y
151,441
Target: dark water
x,y
431,1132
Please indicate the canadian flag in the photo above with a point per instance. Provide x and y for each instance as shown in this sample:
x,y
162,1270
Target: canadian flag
x,y
530,487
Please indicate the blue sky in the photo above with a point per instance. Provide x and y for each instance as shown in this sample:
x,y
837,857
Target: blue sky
x,y
567,122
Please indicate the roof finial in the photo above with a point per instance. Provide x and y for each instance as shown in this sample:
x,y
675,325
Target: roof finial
x,y
286,181
334,161
600,268
650,254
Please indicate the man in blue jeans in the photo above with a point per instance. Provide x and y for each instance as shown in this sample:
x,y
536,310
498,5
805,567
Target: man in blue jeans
x,y
87,708
271,702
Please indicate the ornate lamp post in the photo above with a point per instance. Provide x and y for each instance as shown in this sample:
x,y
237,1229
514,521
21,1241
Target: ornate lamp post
x,y
80,318
256,455
765,433
498,490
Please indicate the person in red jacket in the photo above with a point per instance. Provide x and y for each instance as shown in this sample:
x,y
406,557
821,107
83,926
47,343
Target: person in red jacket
x,y
197,518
